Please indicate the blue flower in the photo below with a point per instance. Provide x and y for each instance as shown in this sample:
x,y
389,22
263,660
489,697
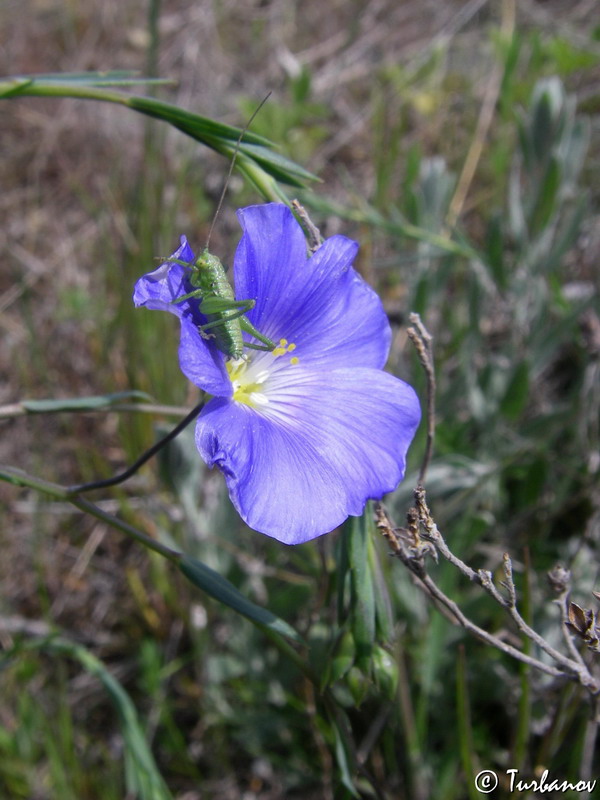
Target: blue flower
x,y
307,433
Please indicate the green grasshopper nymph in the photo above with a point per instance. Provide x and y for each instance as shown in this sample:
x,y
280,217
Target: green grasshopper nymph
x,y
226,316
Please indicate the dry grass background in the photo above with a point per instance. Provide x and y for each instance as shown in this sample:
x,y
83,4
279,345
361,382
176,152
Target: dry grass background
x,y
70,173
69,170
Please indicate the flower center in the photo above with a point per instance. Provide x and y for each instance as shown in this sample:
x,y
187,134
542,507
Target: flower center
x,y
249,376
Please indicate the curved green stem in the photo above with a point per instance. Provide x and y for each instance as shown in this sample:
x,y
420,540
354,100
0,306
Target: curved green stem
x,y
19,478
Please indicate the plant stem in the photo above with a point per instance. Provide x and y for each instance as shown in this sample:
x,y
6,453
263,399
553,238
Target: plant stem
x,y
19,478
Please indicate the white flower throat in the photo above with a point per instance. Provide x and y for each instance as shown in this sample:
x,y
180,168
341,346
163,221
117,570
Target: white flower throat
x,y
250,375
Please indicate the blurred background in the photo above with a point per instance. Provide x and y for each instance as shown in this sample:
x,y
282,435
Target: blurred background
x,y
458,143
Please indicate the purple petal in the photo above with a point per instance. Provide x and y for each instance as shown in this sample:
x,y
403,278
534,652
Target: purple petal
x,y
158,289
323,446
201,362
321,304
269,261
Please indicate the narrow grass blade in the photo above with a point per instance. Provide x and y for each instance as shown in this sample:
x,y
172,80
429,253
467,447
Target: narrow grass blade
x,y
113,77
516,395
195,125
465,730
368,215
82,403
384,617
362,597
142,777
344,746
523,731
225,592
213,134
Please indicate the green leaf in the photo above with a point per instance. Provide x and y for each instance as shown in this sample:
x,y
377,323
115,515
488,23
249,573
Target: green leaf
x,y
82,403
343,657
522,739
383,604
510,52
517,392
494,250
142,777
213,134
225,592
14,87
277,165
527,481
573,150
568,232
547,196
568,57
112,77
362,603
301,86
368,215
359,683
385,673
464,725
344,755
195,125
342,573
517,225
384,618
542,126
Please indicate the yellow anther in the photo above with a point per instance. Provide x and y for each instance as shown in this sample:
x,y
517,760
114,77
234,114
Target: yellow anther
x,y
294,360
283,342
291,347
278,351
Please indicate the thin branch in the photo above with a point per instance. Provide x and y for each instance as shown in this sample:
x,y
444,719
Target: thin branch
x,y
560,581
574,666
313,234
20,478
414,561
488,637
567,636
509,583
431,532
412,551
123,476
484,578
422,339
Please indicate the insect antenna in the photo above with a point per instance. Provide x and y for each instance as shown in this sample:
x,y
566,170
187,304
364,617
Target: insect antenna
x,y
227,179
232,165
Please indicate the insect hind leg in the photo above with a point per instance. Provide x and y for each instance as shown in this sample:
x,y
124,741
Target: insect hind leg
x,y
227,309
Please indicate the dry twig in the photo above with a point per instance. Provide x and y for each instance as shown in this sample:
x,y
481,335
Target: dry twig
x,y
422,340
422,537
